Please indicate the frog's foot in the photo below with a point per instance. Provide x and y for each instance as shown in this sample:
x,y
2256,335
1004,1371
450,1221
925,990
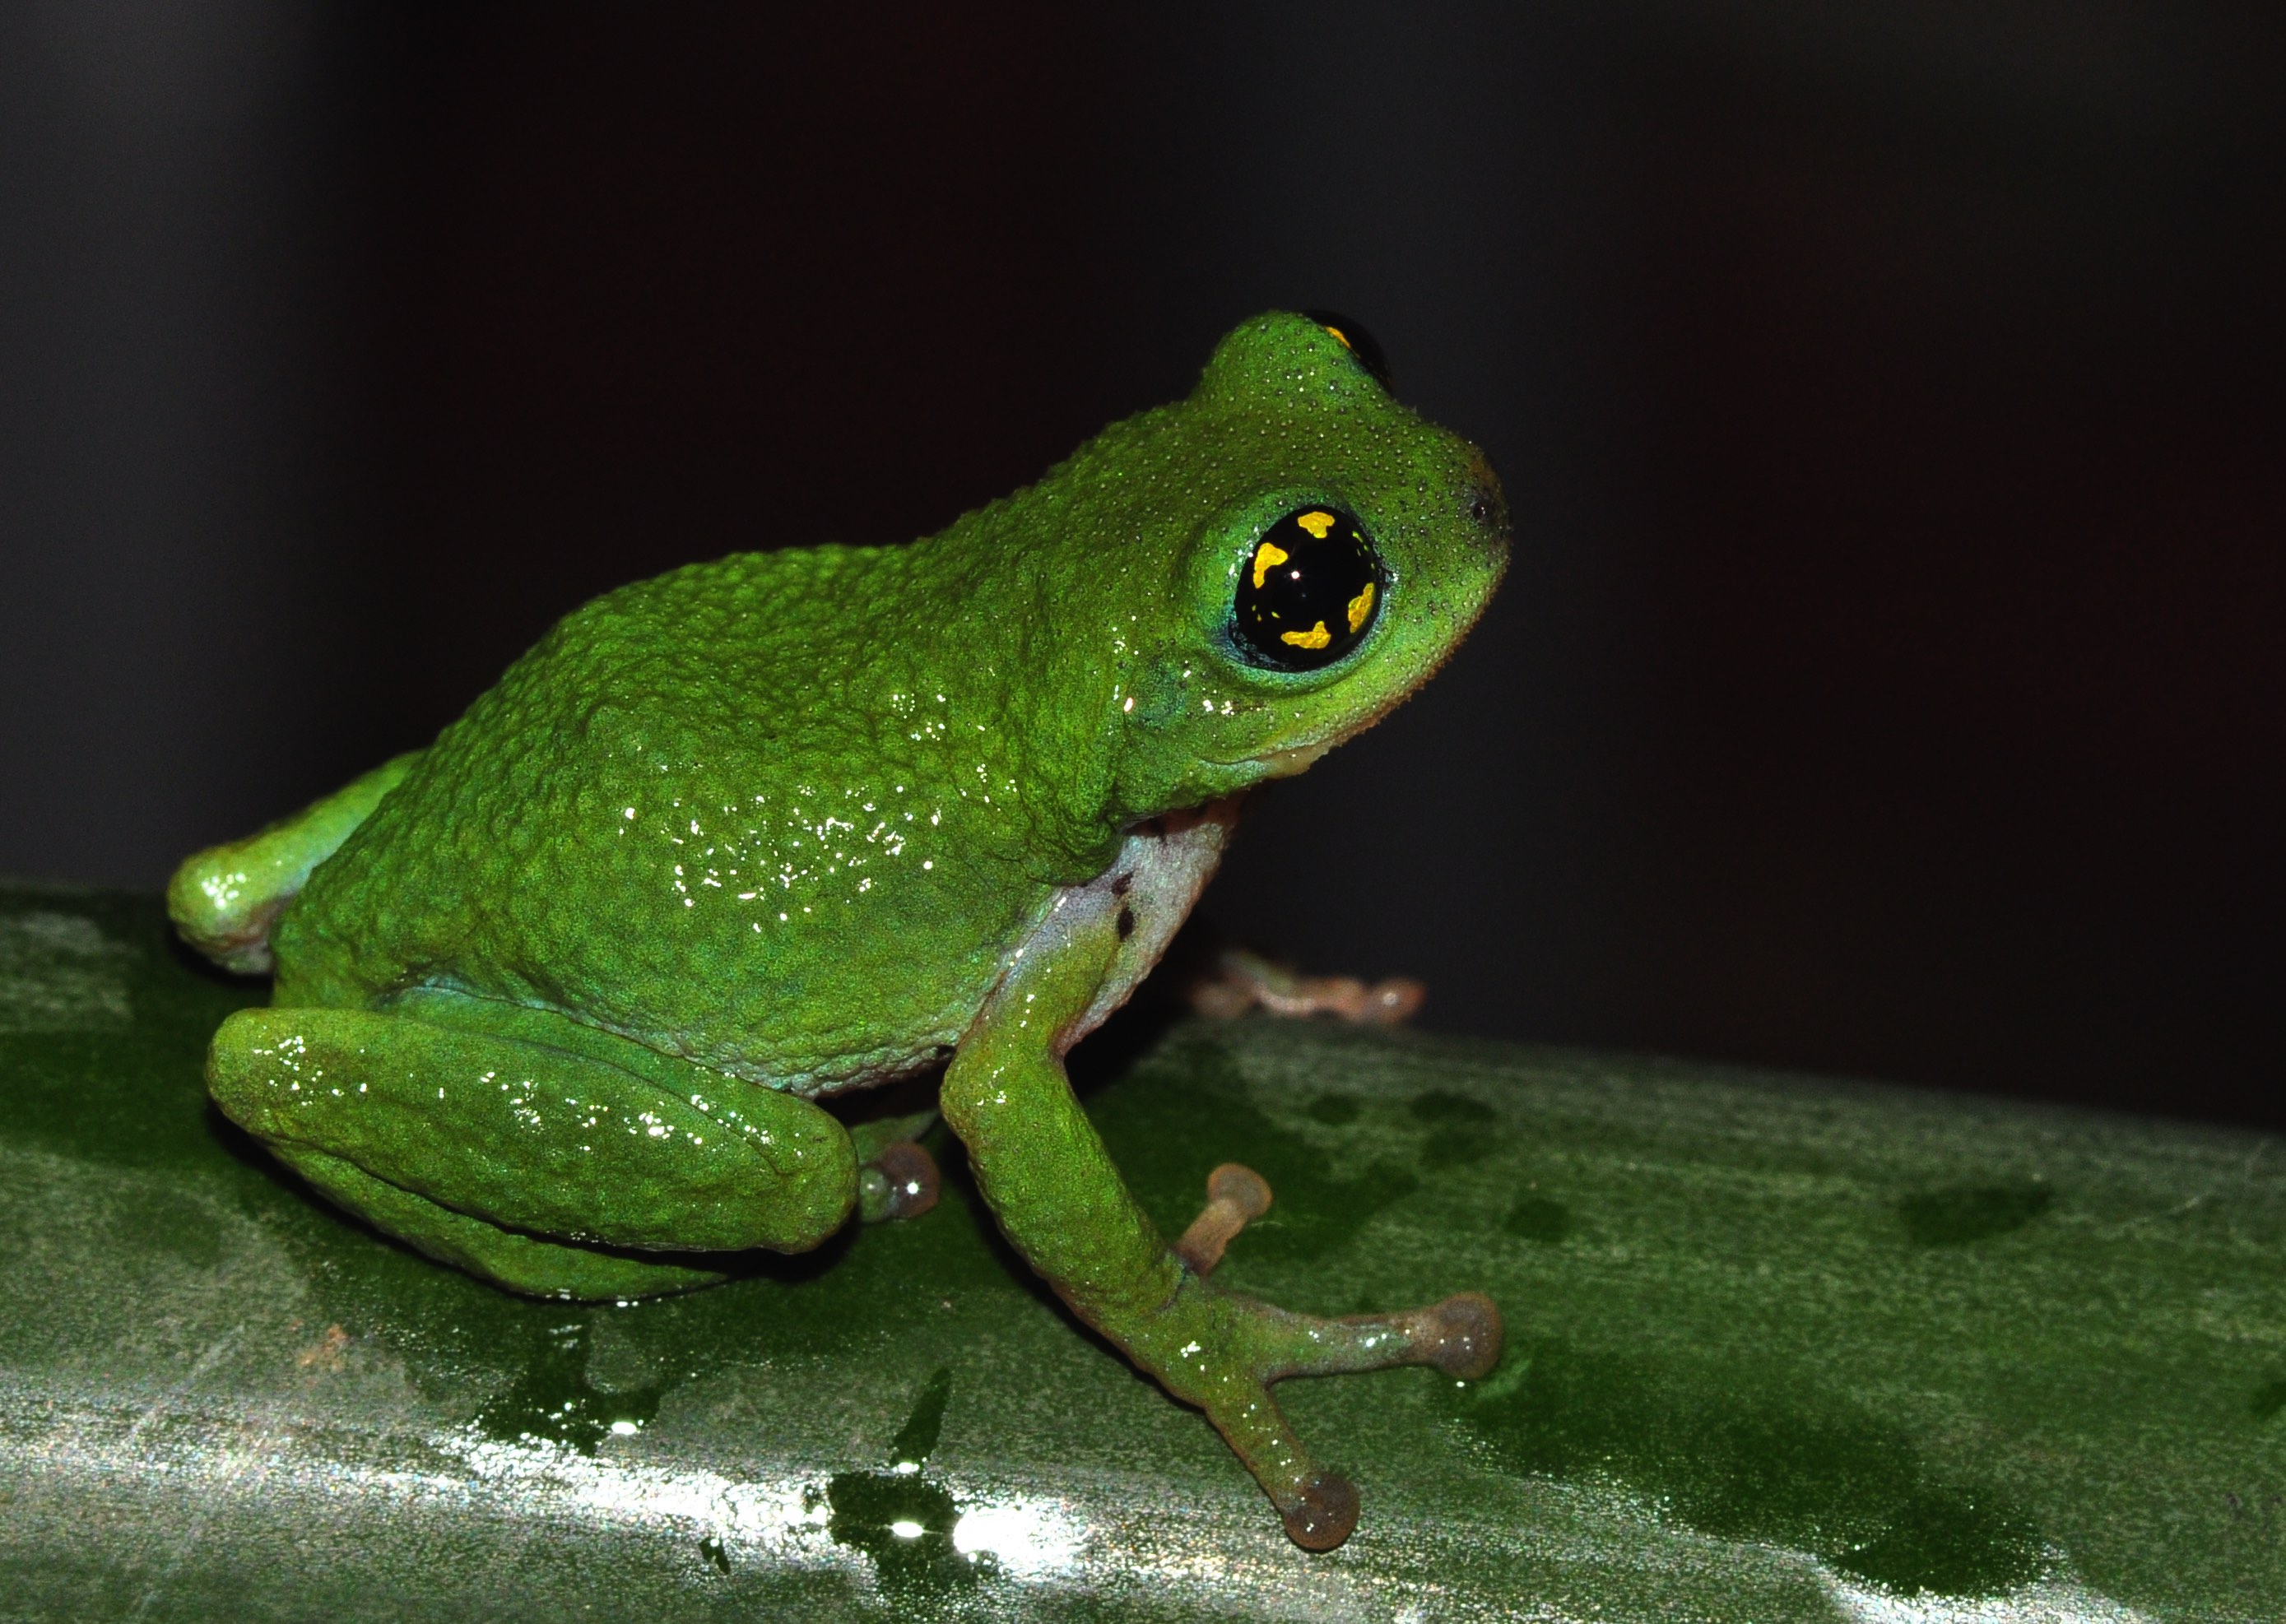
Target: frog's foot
x,y
1245,980
1460,1337
507,1257
1260,1344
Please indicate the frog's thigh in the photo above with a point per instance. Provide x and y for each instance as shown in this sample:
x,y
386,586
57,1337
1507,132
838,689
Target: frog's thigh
x,y
538,1136
505,1256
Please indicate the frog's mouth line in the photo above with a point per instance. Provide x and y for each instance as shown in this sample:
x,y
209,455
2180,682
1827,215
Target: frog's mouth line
x,y
1291,759
1299,758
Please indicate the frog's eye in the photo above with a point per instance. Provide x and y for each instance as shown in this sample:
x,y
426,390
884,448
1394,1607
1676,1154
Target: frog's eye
x,y
1308,592
1356,340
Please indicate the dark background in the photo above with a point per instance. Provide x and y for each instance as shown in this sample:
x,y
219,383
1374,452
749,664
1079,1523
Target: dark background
x,y
1891,677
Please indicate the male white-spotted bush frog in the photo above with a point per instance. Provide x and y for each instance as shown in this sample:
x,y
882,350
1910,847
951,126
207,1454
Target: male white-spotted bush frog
x,y
555,998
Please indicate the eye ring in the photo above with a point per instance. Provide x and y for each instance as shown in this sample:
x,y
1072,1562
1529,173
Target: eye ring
x,y
1309,592
1353,337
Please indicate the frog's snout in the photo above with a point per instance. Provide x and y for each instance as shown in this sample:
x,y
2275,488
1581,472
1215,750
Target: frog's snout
x,y
1488,512
1486,503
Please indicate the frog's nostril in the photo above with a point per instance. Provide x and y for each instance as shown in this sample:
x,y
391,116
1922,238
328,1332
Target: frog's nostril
x,y
1486,501
1487,507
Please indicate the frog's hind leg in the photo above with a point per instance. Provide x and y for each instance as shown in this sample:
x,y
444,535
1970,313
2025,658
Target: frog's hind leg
x,y
531,1149
224,899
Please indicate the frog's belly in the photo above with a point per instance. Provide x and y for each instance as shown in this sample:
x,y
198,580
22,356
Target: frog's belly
x,y
1163,865
1162,868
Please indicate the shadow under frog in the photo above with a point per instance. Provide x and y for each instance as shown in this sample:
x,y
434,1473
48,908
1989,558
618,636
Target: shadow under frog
x,y
1746,1457
1959,1215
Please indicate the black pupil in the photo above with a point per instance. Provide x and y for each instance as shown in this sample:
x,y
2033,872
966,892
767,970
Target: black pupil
x,y
1309,590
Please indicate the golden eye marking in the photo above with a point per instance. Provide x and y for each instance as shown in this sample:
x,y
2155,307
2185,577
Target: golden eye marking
x,y
1267,557
1316,524
1316,637
1361,606
1341,338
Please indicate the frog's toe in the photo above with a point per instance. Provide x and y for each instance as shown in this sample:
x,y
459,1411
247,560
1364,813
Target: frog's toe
x,y
1220,1000
1235,1197
1393,1002
1323,1513
1244,980
1462,1336
901,1182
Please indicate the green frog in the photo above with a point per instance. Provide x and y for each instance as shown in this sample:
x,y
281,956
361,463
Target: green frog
x,y
557,998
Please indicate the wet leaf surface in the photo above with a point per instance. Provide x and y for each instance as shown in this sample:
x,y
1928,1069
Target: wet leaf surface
x,y
1779,1349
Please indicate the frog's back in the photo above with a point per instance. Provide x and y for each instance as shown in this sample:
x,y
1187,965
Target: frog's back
x,y
713,811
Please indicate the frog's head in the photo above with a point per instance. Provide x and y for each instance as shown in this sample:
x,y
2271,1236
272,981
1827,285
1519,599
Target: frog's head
x,y
1315,551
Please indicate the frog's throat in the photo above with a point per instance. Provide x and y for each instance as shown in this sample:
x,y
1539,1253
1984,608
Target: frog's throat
x,y
1163,865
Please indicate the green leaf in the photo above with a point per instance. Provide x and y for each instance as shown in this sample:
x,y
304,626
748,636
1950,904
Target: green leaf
x,y
1779,1349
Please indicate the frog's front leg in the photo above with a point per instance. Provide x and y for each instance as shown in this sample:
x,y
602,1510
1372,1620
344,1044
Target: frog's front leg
x,y
224,899
543,1155
1064,1206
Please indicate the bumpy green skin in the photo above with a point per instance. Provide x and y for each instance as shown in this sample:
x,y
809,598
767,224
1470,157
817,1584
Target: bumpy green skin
x,y
783,814
553,997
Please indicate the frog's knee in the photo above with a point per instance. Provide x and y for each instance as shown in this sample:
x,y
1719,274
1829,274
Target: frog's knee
x,y
239,1060
218,908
